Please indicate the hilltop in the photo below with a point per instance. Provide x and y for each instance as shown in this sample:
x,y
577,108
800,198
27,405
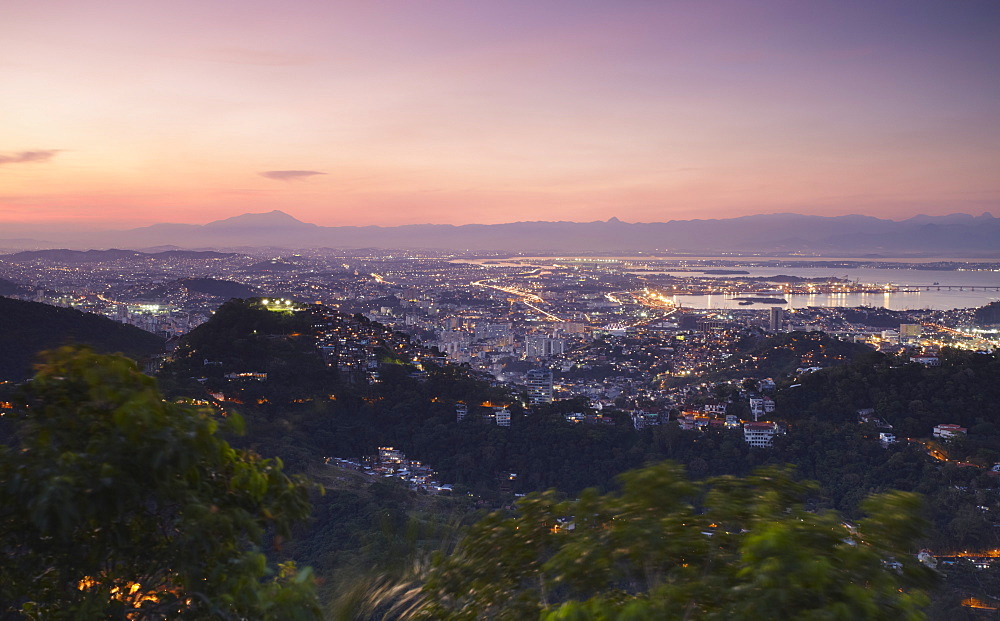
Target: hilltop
x,y
781,354
30,327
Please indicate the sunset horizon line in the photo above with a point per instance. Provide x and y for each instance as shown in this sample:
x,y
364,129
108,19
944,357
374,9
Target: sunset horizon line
x,y
113,226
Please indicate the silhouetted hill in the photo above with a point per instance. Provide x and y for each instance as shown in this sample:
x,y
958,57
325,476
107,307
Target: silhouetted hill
x,y
852,235
781,354
989,314
272,220
218,288
957,234
75,256
8,287
29,327
192,254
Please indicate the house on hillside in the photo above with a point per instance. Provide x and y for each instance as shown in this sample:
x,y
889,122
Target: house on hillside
x,y
949,432
642,419
714,408
761,434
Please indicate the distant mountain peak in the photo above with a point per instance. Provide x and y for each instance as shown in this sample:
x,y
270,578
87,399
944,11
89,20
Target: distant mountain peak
x,y
266,219
967,235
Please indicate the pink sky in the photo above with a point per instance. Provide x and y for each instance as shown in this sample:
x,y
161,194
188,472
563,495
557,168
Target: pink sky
x,y
460,111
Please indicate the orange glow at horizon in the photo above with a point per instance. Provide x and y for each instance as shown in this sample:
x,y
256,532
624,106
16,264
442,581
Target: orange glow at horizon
x,y
122,114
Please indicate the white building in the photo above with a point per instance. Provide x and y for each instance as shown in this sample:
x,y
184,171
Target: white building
x,y
948,432
539,385
642,419
502,415
761,434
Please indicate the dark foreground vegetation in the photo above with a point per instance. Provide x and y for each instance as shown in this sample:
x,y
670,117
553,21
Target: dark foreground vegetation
x,y
118,504
115,503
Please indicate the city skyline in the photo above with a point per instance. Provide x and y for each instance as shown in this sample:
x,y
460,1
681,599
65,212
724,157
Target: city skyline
x,y
128,114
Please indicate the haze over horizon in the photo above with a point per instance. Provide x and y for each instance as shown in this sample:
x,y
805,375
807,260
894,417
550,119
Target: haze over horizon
x,y
285,218
124,114
282,216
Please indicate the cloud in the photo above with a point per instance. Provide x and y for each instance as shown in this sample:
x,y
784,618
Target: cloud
x,y
289,175
28,156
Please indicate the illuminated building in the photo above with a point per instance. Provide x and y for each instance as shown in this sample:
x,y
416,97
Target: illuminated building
x,y
539,385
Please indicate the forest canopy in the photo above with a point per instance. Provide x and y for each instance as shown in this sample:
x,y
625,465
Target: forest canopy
x,y
117,504
667,548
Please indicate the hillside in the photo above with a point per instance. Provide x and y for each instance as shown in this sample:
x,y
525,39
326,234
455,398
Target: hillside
x,y
989,314
30,327
8,287
304,412
780,355
964,390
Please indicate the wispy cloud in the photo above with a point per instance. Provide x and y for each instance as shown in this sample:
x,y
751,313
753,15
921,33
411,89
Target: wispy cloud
x,y
24,157
290,175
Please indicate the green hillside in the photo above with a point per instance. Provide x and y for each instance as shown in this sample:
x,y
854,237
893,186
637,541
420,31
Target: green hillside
x,y
368,531
29,327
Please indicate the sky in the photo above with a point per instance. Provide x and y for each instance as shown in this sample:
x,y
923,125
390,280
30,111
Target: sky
x,y
385,112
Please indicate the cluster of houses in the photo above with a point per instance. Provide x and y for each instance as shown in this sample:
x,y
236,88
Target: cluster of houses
x,y
390,462
756,433
712,415
944,431
949,432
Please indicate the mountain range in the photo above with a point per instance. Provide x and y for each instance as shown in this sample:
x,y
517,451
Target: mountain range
x,y
959,235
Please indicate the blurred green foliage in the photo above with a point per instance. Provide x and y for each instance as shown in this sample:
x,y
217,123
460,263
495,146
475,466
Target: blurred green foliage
x,y
668,548
117,504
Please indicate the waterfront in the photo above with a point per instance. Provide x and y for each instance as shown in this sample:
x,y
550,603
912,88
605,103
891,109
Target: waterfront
x,y
933,300
879,276
942,289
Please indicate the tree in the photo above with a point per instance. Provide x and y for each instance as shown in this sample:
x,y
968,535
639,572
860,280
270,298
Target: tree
x,y
668,548
117,504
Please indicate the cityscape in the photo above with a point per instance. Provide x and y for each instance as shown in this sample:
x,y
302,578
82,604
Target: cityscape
x,y
653,345
568,311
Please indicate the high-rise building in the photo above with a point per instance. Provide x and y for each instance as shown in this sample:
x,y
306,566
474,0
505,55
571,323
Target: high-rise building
x,y
910,331
539,385
534,345
776,317
539,346
493,330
